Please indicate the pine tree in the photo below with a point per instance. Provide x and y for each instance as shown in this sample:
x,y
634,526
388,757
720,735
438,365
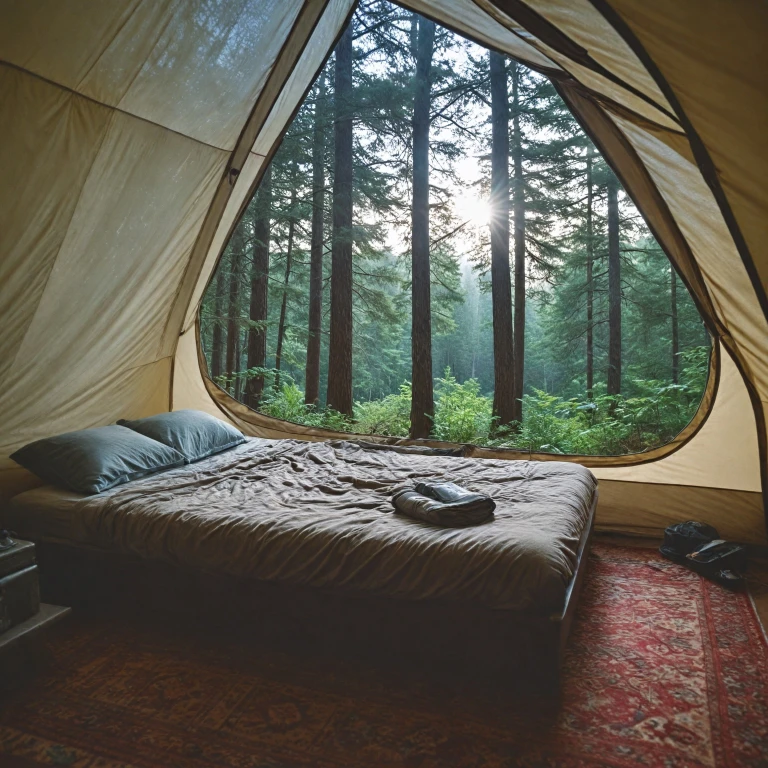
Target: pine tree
x,y
237,257
674,323
314,325
614,289
261,211
218,311
518,205
287,278
340,353
505,390
589,287
422,398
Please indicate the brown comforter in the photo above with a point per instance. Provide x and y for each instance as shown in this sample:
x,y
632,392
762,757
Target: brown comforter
x,y
319,514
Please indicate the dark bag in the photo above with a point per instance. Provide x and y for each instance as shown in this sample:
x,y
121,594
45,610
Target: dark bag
x,y
723,554
697,546
683,538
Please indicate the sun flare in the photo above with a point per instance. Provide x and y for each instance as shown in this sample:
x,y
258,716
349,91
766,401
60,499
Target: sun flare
x,y
475,210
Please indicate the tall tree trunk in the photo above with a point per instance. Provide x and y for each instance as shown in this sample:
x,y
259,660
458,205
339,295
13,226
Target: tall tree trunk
x,y
238,383
475,335
675,327
504,391
314,325
284,304
518,207
590,285
217,336
422,398
233,312
257,336
614,289
340,343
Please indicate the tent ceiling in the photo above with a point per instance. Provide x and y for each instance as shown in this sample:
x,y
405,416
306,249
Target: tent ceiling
x,y
134,131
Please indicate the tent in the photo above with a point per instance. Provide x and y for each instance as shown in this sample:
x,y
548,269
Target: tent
x,y
133,132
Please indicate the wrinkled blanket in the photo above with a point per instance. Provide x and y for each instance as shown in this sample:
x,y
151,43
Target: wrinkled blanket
x,y
319,514
445,504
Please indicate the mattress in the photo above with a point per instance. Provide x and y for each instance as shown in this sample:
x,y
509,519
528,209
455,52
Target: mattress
x,y
318,514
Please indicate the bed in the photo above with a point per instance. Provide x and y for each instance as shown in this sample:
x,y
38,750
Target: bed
x,y
311,525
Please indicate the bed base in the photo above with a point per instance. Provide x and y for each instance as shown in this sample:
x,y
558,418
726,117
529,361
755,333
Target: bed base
x,y
462,640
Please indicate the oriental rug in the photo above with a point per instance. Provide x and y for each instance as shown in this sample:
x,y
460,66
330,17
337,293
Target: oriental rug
x,y
663,669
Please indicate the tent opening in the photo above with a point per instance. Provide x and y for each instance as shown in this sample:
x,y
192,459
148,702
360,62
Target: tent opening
x,y
436,240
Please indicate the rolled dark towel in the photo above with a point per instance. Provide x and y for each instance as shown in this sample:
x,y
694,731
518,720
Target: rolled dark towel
x,y
445,504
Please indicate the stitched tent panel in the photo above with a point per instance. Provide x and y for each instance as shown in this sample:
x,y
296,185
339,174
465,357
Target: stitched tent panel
x,y
195,67
122,120
104,193
715,60
104,299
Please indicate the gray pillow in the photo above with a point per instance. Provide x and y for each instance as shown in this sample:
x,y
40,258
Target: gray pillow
x,y
193,434
93,460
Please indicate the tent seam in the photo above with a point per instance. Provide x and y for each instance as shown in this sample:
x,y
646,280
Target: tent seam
x,y
144,365
613,106
589,63
699,148
112,108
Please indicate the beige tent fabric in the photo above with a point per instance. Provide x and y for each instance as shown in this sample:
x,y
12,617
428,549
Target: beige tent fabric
x,y
194,67
464,16
34,217
730,426
638,92
646,509
721,85
104,279
134,131
123,121
62,41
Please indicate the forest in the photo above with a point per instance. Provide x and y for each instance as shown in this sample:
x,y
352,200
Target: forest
x,y
436,249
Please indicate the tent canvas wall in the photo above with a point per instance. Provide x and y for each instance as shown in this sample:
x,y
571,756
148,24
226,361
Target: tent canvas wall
x,y
133,132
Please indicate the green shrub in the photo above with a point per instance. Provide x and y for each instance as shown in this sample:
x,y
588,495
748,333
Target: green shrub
x,y
651,414
288,404
462,414
390,416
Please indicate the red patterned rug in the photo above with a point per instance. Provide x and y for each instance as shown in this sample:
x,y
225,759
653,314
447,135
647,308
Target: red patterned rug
x,y
663,669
